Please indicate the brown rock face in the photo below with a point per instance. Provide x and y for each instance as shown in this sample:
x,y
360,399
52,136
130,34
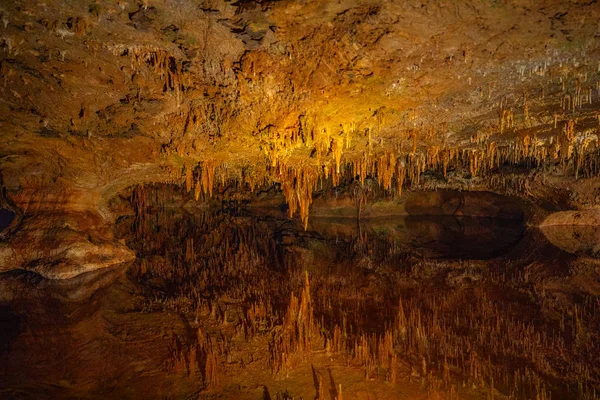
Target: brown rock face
x,y
59,246
498,96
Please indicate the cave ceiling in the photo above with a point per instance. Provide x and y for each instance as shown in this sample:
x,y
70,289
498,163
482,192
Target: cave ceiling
x,y
101,95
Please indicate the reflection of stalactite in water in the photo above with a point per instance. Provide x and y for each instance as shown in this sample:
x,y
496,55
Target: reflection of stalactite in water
x,y
139,199
298,329
211,369
459,334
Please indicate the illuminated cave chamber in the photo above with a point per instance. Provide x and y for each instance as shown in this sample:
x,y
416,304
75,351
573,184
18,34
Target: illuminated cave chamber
x,y
203,196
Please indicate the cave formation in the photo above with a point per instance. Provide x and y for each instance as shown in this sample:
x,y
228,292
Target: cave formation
x,y
300,199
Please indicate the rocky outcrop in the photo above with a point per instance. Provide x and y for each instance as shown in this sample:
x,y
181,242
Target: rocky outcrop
x,y
62,245
573,218
577,231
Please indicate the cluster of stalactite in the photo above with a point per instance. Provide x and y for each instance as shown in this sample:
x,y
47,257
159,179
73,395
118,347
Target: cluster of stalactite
x,y
571,149
163,64
202,179
247,287
578,96
309,150
298,186
158,61
308,134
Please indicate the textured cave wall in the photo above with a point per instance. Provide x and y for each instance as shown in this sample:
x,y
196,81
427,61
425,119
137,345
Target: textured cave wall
x,y
99,96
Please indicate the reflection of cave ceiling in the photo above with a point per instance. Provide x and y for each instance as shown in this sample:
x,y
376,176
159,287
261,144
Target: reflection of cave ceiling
x,y
97,96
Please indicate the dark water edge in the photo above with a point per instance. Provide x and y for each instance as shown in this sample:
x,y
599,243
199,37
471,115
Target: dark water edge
x,y
6,218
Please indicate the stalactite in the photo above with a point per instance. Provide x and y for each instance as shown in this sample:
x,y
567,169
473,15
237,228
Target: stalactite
x,y
298,186
197,189
506,120
401,176
189,174
337,149
207,177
